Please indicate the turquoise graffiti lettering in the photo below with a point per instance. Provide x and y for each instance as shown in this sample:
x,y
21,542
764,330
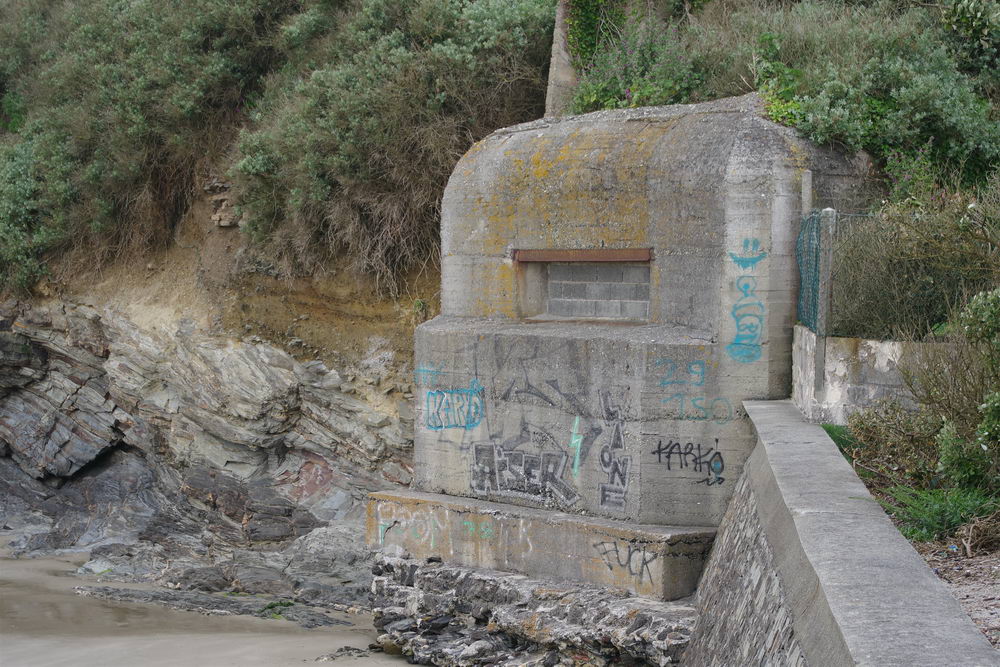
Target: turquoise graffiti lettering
x,y
455,408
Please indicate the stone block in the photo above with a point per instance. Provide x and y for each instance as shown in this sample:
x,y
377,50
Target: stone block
x,y
635,274
609,273
636,310
629,422
662,562
608,308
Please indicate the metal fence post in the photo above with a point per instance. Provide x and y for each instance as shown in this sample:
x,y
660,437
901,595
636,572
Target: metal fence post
x,y
827,234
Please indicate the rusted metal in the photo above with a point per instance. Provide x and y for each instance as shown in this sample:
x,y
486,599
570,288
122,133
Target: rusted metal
x,y
585,255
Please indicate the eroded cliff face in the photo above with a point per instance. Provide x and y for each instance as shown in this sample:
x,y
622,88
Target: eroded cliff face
x,y
187,452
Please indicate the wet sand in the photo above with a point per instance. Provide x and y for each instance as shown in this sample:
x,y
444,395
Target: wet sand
x,y
43,623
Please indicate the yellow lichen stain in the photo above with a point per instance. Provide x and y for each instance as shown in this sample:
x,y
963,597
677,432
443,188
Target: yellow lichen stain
x,y
497,294
583,190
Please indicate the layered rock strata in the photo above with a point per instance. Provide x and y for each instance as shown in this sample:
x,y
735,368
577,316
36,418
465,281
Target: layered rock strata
x,y
173,453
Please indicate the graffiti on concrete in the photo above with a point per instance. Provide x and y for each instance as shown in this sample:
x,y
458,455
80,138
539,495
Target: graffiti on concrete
x,y
425,528
614,462
748,311
749,256
427,375
627,557
496,471
455,408
482,530
575,443
691,373
691,455
698,408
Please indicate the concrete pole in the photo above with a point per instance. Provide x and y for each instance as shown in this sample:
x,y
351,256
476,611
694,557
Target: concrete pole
x,y
562,74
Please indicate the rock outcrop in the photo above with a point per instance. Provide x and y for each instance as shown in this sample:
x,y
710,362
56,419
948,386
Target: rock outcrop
x,y
440,614
188,457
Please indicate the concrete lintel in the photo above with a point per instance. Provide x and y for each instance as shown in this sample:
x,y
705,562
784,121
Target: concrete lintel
x,y
858,592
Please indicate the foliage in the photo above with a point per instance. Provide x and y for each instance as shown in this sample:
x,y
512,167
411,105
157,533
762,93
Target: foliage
x,y
904,103
974,32
359,110
895,443
964,463
869,75
107,107
980,320
905,270
932,514
961,383
352,149
586,24
645,66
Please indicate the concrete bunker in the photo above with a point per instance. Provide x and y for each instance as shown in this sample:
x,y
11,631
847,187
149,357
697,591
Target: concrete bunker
x,y
614,286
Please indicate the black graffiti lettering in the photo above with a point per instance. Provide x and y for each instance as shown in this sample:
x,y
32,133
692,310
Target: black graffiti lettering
x,y
691,455
632,558
496,470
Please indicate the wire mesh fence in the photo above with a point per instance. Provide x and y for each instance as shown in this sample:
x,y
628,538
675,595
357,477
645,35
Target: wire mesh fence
x,y
807,253
864,276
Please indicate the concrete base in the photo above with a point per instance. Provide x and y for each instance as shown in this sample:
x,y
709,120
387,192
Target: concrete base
x,y
662,562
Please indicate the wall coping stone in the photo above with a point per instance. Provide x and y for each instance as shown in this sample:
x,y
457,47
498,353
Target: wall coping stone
x,y
859,593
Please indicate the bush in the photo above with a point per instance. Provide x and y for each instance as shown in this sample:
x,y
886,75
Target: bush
x,y
108,106
868,75
903,272
974,31
351,151
966,463
934,514
896,444
644,66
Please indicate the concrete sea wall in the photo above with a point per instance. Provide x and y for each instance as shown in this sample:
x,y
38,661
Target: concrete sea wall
x,y
808,569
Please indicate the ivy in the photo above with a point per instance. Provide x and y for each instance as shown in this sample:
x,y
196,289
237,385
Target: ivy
x,y
586,22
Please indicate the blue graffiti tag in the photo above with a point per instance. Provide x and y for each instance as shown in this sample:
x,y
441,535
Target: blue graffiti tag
x,y
695,373
424,375
751,255
748,313
455,408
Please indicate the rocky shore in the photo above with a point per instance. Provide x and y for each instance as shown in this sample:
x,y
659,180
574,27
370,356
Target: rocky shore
x,y
192,460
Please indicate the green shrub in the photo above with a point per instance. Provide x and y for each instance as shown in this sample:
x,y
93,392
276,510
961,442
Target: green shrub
x,y
934,514
869,75
966,463
115,102
896,444
646,66
906,270
980,320
974,29
901,102
351,151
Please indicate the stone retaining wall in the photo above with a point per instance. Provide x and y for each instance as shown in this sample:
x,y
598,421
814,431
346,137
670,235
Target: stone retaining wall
x,y
808,569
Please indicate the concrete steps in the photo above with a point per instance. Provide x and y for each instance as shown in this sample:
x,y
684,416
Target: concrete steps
x,y
661,562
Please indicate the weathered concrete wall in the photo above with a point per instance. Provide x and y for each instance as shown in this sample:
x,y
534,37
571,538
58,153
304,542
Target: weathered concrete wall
x,y
657,562
808,569
834,377
637,422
